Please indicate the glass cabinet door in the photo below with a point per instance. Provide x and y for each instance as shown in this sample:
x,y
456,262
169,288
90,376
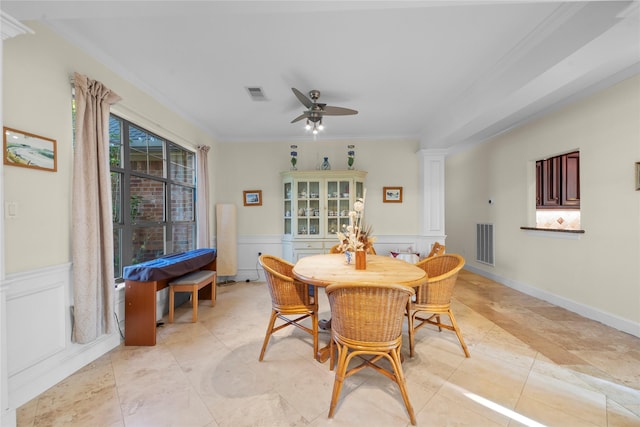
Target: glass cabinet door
x,y
338,205
308,205
359,189
287,201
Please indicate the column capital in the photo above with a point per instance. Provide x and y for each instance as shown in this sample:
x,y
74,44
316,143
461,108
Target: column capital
x,y
435,152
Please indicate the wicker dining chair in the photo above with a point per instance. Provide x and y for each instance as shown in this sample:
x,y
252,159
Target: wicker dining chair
x,y
367,320
435,297
436,249
291,300
335,249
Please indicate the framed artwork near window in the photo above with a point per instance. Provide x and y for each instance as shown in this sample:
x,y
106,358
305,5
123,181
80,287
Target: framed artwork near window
x,y
637,176
252,197
28,150
392,194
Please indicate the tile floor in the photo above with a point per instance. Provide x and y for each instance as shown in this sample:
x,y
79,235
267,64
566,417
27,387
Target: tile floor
x,y
532,364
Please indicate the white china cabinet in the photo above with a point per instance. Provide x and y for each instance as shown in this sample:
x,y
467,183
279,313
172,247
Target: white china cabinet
x,y
315,207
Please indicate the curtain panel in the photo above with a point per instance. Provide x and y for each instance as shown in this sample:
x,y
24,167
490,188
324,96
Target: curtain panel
x,y
92,236
202,196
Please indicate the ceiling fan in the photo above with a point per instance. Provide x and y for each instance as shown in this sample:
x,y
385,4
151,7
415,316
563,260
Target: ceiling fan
x,y
317,110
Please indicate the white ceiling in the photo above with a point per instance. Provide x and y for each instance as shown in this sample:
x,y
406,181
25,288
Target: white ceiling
x,y
450,73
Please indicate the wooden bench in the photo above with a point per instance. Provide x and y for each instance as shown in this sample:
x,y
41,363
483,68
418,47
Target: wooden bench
x,y
192,282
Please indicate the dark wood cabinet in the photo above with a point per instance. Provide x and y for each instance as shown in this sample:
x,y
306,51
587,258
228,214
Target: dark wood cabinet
x,y
539,184
558,182
551,181
571,180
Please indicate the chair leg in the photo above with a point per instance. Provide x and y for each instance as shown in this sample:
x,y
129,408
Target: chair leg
x,y
458,333
339,377
314,326
399,374
332,354
272,322
412,333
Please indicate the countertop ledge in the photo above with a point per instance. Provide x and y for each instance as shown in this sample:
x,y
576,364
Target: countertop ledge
x,y
554,230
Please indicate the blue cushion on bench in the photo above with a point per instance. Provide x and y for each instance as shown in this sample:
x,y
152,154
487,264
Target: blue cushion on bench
x,y
169,266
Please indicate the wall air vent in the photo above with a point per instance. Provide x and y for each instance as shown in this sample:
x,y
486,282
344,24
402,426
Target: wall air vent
x,y
484,244
256,93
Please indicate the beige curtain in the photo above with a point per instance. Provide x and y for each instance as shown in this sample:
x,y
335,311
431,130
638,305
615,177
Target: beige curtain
x,y
202,197
92,237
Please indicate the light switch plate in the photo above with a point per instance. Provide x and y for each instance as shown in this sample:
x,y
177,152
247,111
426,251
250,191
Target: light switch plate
x,y
11,210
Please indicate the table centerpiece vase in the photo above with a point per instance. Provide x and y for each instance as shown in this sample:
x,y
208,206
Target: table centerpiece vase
x,y
361,260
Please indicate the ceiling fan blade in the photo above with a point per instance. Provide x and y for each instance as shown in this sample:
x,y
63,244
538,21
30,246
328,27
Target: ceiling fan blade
x,y
302,98
300,117
338,111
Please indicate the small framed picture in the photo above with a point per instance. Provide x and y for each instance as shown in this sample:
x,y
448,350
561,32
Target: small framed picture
x,y
27,150
252,197
637,176
392,194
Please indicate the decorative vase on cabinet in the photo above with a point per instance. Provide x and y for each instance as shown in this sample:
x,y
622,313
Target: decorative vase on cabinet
x,y
326,165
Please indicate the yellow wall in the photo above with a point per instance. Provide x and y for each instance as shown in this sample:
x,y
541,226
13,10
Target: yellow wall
x,y
257,166
37,99
602,268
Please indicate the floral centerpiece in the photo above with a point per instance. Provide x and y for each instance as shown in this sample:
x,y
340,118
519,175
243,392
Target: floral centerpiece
x,y
356,237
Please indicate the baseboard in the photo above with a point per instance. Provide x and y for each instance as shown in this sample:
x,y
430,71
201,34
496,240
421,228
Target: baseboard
x,y
589,312
30,383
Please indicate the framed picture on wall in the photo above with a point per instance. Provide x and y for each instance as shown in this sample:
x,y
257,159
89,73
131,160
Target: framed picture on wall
x,y
28,150
252,197
392,194
637,176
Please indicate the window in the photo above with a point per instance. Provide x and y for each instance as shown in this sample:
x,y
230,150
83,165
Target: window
x,y
153,193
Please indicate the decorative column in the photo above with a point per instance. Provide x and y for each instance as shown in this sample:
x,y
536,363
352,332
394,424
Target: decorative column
x,y
432,227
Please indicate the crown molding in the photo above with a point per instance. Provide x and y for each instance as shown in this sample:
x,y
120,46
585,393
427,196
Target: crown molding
x,y
11,27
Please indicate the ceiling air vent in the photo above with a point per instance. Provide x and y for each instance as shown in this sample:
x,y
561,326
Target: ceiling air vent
x,y
256,93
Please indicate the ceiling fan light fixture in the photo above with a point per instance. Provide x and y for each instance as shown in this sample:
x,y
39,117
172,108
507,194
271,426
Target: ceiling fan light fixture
x,y
316,110
314,125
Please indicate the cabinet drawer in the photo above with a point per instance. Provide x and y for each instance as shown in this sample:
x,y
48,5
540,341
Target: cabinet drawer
x,y
308,245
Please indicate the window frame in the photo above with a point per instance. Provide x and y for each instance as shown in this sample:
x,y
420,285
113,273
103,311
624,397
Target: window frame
x,y
126,225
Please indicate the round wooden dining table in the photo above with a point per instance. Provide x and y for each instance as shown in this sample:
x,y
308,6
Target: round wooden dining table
x,y
324,270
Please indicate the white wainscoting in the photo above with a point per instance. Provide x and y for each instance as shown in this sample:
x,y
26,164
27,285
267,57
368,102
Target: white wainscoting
x,y
37,333
248,248
250,245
